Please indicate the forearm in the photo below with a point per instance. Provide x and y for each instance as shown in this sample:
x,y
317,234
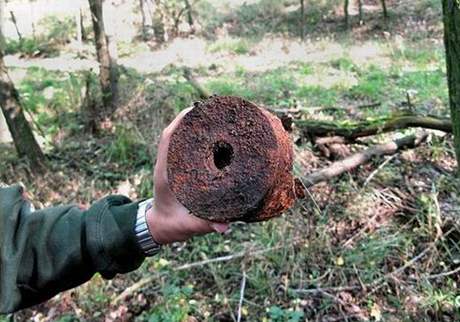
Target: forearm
x,y
55,249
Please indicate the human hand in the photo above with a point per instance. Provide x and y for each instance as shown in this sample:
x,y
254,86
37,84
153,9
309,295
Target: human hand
x,y
168,219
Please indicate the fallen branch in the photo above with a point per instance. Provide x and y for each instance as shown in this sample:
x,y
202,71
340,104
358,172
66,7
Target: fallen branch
x,y
352,131
351,162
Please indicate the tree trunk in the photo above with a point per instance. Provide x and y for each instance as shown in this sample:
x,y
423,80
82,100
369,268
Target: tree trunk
x,y
384,9
13,19
451,11
345,11
78,29
108,74
20,130
144,20
157,23
302,20
84,36
189,15
361,13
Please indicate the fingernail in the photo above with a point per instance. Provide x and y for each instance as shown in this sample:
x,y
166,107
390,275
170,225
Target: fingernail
x,y
220,228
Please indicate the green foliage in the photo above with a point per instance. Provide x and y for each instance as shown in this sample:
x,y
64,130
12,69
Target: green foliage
x,y
176,305
127,148
29,47
67,318
278,314
51,96
372,253
58,31
237,46
371,85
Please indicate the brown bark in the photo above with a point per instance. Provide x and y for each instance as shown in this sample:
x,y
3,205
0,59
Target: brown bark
x,y
451,11
360,158
345,12
157,23
302,19
84,36
13,19
144,20
108,74
384,9
351,131
20,130
361,12
189,15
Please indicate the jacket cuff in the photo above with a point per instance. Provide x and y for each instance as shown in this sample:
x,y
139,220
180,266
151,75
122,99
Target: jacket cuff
x,y
116,249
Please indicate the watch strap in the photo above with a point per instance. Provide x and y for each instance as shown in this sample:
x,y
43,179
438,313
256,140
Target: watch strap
x,y
143,235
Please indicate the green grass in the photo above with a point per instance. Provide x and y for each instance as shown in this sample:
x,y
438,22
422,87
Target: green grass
x,y
238,46
59,31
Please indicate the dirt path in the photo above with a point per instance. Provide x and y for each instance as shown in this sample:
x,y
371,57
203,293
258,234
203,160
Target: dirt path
x,y
268,54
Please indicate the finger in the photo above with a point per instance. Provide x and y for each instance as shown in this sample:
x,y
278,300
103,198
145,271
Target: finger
x,y
219,227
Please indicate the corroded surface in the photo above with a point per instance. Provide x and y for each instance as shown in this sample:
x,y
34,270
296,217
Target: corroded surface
x,y
229,160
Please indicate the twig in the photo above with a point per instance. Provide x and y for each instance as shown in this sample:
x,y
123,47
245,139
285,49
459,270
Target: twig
x,y
380,281
146,280
372,175
443,274
240,304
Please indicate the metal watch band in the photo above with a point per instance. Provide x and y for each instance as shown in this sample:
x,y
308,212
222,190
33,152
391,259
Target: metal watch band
x,y
143,235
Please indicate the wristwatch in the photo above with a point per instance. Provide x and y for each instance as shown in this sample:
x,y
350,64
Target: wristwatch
x,y
143,235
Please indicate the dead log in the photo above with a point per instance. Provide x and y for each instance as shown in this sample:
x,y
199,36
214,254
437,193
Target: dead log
x,y
354,130
360,158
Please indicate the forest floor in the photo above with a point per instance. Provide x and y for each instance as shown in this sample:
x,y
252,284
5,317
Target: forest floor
x,y
380,243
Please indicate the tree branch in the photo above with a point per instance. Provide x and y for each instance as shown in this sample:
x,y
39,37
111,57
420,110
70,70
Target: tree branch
x,y
352,131
347,164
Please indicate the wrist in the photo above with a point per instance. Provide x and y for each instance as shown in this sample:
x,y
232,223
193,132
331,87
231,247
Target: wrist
x,y
142,230
156,226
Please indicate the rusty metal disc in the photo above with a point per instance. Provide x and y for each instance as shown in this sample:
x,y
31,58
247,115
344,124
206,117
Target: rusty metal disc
x,y
229,160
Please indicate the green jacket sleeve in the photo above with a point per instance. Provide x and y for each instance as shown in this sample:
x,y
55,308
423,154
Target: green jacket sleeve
x,y
45,252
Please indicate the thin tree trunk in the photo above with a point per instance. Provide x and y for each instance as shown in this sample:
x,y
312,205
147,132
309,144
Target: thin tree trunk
x,y
451,11
32,19
144,20
78,29
302,20
345,11
189,14
20,130
361,12
108,75
384,9
13,19
84,36
2,19
157,23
